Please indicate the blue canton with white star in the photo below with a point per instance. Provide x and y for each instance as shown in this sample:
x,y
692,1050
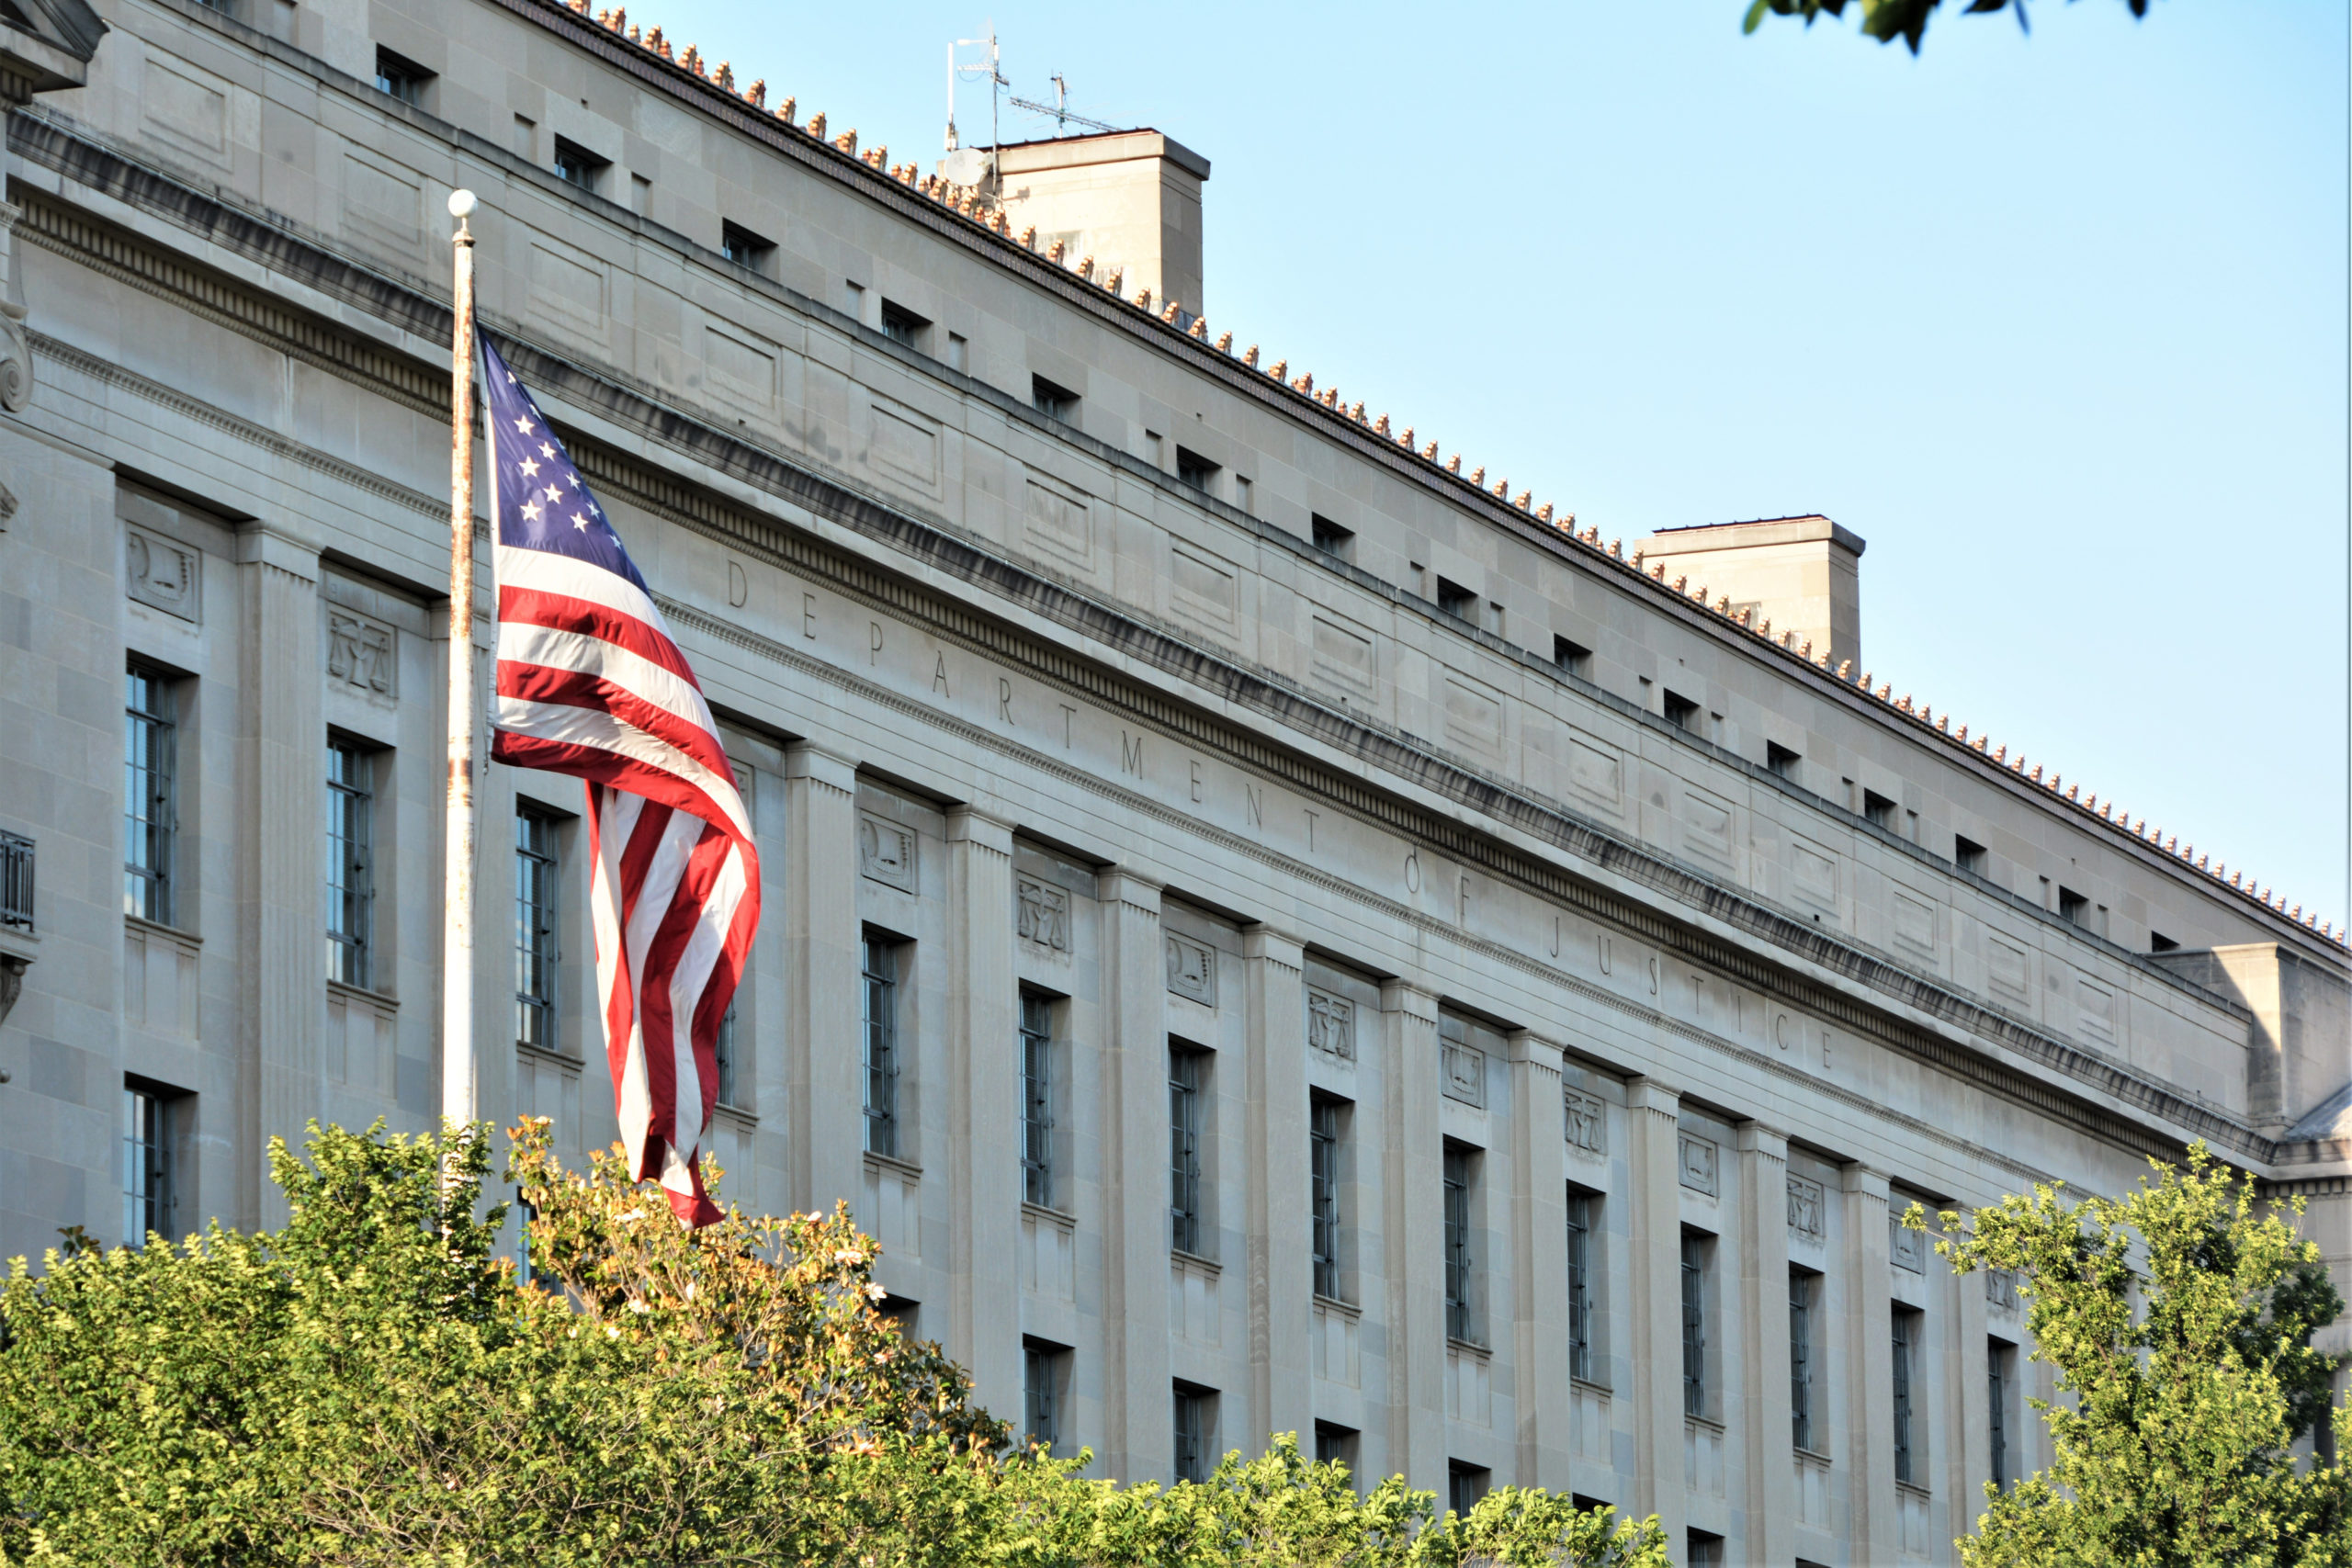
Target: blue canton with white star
x,y
542,504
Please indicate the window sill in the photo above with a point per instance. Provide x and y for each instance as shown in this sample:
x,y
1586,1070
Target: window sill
x,y
349,992
742,1115
1184,1260
1467,1347
1811,1456
1346,1309
1068,1222
1584,1386
157,927
1913,1489
541,1054
1708,1422
892,1162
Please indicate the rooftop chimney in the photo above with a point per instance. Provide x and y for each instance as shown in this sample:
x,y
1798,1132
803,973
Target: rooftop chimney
x,y
1129,198
1803,574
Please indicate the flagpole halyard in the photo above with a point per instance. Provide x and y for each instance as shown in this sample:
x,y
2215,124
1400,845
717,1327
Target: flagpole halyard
x,y
457,1077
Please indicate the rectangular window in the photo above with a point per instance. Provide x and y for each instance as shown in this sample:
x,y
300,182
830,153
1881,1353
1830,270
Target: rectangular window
x,y
1185,1073
1332,540
148,1200
575,166
1323,1165
401,78
1694,1326
350,863
1042,1366
1464,1484
724,1054
1461,1276
1968,855
1781,760
1335,1444
1706,1550
744,248
1456,600
1053,400
1998,1368
1877,810
1581,1207
149,755
1194,470
1681,711
1195,1431
901,325
1037,1099
881,975
15,882
2072,906
1573,658
1907,1337
2159,943
1803,1285
535,929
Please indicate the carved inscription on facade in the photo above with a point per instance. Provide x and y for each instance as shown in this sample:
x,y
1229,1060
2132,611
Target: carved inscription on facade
x,y
1044,913
1909,1248
1699,1164
1587,1124
885,852
1191,970
360,654
2001,1289
158,572
1805,1215
1465,1072
1331,1024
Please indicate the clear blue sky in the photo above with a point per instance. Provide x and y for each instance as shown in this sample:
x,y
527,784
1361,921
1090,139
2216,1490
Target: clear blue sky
x,y
2057,324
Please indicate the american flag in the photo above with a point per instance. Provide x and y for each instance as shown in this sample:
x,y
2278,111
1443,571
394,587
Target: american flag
x,y
589,683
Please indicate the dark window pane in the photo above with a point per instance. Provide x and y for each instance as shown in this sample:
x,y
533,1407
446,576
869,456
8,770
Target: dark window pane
x,y
351,861
1036,1100
881,1023
149,792
534,931
1184,1150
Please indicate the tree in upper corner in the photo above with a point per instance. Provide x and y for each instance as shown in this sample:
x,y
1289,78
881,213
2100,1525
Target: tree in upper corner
x,y
1888,20
2179,1323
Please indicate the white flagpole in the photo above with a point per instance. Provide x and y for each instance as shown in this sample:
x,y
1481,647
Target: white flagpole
x,y
458,1097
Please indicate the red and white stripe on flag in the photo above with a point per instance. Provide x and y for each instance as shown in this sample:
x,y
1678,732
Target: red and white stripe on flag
x,y
591,684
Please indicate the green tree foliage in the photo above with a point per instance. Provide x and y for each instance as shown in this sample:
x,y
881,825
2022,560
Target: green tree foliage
x,y
372,1384
1888,20
2178,1319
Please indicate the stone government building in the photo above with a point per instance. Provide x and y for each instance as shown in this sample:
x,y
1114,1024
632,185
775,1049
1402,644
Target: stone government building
x,y
1271,931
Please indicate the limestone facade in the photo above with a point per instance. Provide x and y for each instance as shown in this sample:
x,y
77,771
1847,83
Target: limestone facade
x,y
1413,906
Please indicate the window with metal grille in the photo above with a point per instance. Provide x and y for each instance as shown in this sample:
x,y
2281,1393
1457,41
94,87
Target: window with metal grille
x,y
1906,1334
1041,1378
148,745
1997,1368
1195,1431
350,863
15,882
1037,1099
535,929
880,974
148,1201
1581,1206
1460,1170
1185,1075
1802,1286
1694,1326
724,1054
1323,1169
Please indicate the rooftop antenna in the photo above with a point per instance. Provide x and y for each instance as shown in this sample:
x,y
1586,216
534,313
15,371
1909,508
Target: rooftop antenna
x,y
1060,109
963,166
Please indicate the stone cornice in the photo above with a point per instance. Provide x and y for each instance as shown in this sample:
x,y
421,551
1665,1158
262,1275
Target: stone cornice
x,y
2079,1077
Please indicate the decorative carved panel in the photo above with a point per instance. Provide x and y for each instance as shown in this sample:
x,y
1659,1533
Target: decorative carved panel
x,y
1805,1209
1588,1122
1331,1024
166,575
1465,1072
1192,969
1044,913
1699,1164
361,653
1906,1247
885,852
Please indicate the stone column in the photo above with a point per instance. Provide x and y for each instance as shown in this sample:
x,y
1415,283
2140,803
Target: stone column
x,y
984,1107
824,1101
1138,1440
1870,1359
1282,1282
1767,1434
1539,1224
280,834
1413,1222
1653,1159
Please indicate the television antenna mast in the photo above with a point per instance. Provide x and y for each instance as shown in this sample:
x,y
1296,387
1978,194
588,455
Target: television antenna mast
x,y
979,67
1060,109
